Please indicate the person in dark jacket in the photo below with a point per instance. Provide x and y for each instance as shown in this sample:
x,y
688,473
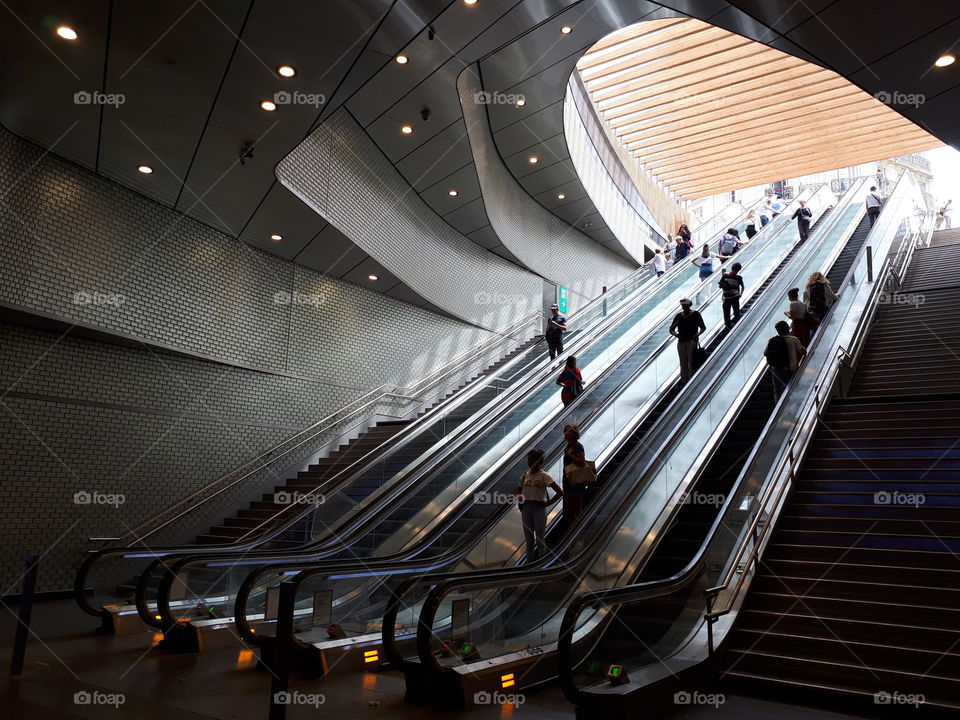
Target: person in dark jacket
x,y
732,286
686,327
556,327
818,295
573,495
783,354
803,216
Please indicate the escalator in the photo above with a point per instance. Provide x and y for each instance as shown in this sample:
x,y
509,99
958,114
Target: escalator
x,y
366,596
822,612
502,604
102,583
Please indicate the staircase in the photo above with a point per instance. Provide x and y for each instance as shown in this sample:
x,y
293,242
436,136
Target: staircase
x,y
858,594
370,444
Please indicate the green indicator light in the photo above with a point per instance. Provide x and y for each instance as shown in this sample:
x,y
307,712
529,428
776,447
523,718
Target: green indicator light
x,y
616,670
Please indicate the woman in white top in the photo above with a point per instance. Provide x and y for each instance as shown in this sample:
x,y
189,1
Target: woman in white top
x,y
802,322
533,510
707,262
752,221
669,248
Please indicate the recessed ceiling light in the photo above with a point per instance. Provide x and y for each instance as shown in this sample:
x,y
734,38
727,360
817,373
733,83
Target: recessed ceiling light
x,y
145,169
268,105
276,238
469,2
406,129
534,159
66,32
561,196
566,29
521,102
372,277
453,193
402,59
286,71
945,61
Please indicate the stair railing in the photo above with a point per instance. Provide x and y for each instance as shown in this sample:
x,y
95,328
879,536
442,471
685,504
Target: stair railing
x,y
350,413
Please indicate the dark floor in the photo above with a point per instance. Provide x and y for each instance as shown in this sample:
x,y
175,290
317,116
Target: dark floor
x,y
64,657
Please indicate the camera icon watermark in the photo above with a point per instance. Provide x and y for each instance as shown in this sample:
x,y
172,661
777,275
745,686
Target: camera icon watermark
x,y
895,97
485,97
95,97
899,499
285,497
496,498
299,98
84,697
898,698
696,697
914,299
295,697
492,298
297,298
498,698
95,298
95,497
714,500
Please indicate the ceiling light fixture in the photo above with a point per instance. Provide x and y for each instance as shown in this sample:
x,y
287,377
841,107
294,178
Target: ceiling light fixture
x,y
453,193
268,105
469,2
566,29
402,59
406,129
945,61
287,71
521,102
276,238
561,196
372,277
534,159
145,169
66,32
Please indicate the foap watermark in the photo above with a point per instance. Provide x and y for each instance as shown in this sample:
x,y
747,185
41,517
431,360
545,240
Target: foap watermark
x,y
297,298
486,97
898,698
498,698
492,298
295,697
299,98
899,498
95,97
895,97
98,299
96,697
698,698
495,498
298,498
706,499
95,497
914,299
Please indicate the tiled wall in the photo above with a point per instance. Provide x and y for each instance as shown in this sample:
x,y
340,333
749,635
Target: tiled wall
x,y
78,414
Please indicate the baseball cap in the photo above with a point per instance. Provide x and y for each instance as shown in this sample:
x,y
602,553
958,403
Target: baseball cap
x,y
554,307
686,302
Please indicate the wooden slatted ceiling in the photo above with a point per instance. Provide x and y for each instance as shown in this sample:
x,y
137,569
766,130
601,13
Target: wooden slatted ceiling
x,y
707,111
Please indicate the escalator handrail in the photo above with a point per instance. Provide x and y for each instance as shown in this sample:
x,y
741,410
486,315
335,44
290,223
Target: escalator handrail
x,y
753,535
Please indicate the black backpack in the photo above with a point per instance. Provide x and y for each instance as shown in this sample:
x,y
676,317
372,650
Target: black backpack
x,y
818,295
778,355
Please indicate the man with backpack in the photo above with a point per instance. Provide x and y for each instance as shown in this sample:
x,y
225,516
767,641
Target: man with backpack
x,y
803,216
783,355
732,286
729,243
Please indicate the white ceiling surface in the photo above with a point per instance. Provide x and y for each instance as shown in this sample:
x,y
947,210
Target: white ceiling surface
x,y
192,88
